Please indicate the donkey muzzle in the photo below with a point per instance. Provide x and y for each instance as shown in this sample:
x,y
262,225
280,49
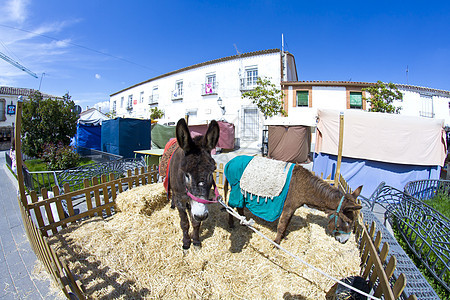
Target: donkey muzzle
x,y
199,211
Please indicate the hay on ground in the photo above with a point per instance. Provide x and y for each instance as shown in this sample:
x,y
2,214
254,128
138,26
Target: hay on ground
x,y
135,254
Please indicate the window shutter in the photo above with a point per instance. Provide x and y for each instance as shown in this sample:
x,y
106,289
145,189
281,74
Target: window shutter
x,y
302,98
356,99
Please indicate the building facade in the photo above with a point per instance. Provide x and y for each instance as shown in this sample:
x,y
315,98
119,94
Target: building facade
x,y
210,90
303,98
8,104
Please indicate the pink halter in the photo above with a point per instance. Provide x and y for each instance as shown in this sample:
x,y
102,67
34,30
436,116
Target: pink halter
x,y
204,201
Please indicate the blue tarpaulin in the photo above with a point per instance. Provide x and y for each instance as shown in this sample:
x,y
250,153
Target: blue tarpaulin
x,y
123,136
371,173
88,136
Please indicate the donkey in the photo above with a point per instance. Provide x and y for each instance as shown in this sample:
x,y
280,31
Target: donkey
x,y
305,188
191,178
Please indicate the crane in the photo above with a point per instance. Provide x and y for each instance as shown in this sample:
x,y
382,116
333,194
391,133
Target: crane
x,y
16,64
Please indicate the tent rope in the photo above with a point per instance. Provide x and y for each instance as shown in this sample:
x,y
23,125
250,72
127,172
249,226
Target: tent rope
x,y
249,223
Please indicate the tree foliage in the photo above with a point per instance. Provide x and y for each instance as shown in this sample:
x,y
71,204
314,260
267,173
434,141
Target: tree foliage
x,y
46,121
156,113
60,157
382,96
267,98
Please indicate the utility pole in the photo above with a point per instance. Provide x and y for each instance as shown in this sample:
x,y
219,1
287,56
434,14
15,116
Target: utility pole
x,y
17,65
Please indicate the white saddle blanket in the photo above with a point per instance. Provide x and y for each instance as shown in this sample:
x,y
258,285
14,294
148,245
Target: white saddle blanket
x,y
264,177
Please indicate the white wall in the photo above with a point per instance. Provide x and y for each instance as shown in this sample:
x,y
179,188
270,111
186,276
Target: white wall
x,y
228,79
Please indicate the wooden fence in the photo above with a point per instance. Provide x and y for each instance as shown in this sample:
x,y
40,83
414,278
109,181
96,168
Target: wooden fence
x,y
47,216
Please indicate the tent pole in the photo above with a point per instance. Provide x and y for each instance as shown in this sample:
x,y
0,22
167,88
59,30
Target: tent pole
x,y
341,142
18,149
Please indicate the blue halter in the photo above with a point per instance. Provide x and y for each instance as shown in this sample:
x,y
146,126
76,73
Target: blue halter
x,y
335,216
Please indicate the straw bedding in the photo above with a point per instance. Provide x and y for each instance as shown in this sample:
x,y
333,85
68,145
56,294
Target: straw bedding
x,y
137,254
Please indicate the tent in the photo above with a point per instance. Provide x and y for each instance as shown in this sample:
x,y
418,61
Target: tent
x,y
122,136
226,137
89,129
379,147
289,143
289,139
92,117
161,134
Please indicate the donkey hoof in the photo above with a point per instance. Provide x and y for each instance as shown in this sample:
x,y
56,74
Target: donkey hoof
x,y
186,247
197,244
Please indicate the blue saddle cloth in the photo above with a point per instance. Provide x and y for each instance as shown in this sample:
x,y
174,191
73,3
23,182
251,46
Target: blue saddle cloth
x,y
268,209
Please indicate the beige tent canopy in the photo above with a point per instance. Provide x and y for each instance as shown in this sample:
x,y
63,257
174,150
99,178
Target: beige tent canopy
x,y
389,138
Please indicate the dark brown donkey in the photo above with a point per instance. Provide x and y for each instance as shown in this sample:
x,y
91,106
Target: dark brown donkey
x,y
191,178
305,188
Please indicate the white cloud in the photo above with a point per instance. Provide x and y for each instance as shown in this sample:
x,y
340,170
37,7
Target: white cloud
x,y
102,106
97,76
16,10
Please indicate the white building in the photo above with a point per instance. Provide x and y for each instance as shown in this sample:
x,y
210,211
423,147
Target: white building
x,y
195,91
303,98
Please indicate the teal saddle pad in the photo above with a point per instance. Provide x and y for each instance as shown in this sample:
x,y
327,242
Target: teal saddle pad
x,y
268,209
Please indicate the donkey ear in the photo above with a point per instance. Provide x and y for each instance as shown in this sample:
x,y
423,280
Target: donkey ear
x,y
357,191
183,136
212,135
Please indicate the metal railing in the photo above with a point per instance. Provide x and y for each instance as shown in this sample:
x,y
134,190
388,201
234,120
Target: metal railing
x,y
75,176
39,179
247,84
424,229
96,155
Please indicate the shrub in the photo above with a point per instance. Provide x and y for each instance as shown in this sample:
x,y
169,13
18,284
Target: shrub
x,y
60,157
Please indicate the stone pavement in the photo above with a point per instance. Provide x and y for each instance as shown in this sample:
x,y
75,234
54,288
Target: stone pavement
x,y
18,277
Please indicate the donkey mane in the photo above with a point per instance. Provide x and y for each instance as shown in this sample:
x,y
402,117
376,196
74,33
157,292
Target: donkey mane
x,y
320,187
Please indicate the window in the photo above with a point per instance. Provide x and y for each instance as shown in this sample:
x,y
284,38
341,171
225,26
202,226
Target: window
x,y
114,106
356,100
2,110
130,102
252,77
427,106
121,102
141,97
303,98
155,96
250,123
178,92
210,85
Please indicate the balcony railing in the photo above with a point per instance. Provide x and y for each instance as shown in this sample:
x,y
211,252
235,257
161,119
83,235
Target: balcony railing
x,y
129,106
247,84
153,99
177,95
209,89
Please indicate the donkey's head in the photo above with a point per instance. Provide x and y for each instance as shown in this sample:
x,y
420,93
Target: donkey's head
x,y
340,222
197,165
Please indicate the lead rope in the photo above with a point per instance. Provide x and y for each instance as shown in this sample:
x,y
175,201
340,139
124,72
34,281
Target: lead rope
x,y
249,224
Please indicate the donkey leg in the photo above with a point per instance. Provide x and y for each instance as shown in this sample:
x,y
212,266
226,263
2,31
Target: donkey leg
x,y
240,211
283,223
184,223
196,231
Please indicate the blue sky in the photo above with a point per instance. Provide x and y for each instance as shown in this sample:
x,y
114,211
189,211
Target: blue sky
x,y
92,49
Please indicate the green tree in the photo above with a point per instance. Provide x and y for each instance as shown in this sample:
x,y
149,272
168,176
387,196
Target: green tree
x,y
267,98
382,96
156,113
47,121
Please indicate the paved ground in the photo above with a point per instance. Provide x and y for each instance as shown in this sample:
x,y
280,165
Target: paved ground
x,y
18,276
